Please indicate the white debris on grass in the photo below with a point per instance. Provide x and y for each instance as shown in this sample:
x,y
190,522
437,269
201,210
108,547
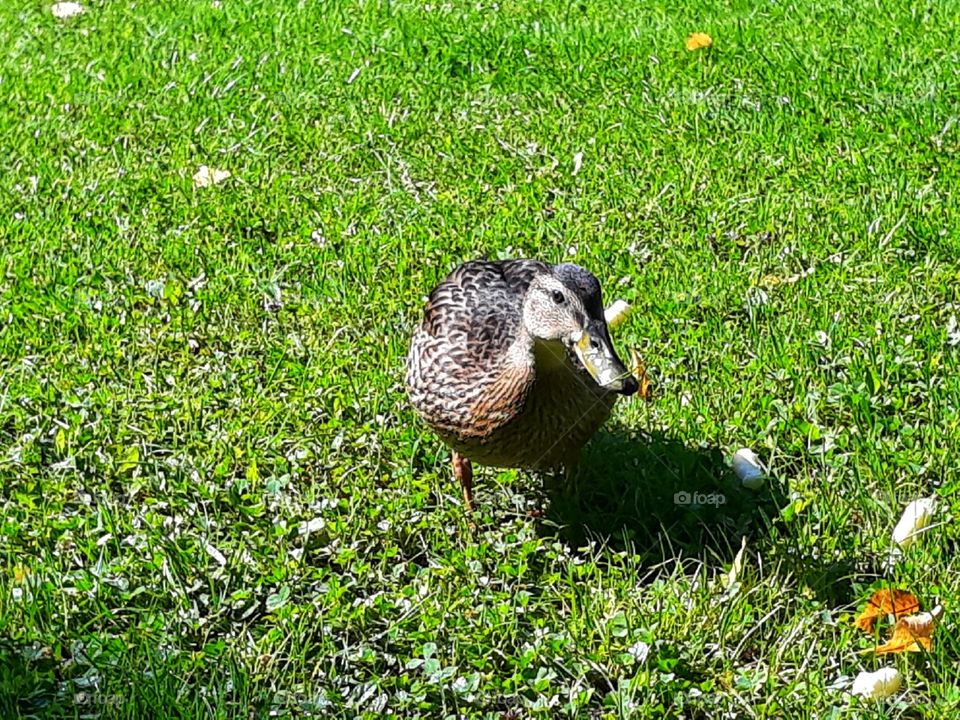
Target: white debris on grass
x,y
64,10
207,176
616,313
577,162
877,685
916,516
747,467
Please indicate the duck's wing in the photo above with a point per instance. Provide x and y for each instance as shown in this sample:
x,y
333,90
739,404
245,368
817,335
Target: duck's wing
x,y
456,353
476,311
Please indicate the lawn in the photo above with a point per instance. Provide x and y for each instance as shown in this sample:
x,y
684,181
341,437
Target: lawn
x,y
216,500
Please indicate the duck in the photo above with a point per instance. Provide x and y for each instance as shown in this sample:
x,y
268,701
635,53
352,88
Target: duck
x,y
512,366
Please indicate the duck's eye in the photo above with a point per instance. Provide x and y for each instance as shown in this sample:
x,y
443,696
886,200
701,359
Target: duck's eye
x,y
558,297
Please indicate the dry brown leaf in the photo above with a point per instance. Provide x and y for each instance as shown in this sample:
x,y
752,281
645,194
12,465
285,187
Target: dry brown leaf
x,y
898,603
698,41
923,623
640,372
904,639
912,633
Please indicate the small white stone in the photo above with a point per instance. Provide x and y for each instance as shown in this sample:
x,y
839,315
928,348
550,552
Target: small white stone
x,y
64,10
877,685
916,516
747,467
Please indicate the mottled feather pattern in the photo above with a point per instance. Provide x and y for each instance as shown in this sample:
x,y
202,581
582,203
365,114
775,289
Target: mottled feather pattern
x,y
493,411
470,321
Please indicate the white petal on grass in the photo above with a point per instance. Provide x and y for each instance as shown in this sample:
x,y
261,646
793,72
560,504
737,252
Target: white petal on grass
x,y
916,516
155,288
577,162
877,685
616,313
215,554
64,10
747,467
207,176
312,526
639,650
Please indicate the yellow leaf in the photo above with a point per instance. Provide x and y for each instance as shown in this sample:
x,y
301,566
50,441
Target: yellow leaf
x,y
640,373
903,640
893,601
912,633
731,577
698,41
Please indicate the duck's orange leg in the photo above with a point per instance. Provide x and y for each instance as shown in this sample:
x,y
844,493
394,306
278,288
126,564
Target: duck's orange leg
x,y
463,471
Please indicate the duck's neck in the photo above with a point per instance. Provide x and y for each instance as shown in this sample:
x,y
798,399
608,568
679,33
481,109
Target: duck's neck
x,y
550,356
531,353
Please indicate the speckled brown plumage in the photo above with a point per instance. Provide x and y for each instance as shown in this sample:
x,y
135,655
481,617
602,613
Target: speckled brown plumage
x,y
492,392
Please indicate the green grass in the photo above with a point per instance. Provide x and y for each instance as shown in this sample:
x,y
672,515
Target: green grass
x,y
190,379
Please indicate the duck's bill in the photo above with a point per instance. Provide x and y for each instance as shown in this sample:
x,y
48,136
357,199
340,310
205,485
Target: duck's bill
x,y
595,352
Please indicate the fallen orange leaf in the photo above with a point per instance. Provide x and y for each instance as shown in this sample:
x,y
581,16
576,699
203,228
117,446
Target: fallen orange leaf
x,y
898,603
911,634
698,41
640,372
923,623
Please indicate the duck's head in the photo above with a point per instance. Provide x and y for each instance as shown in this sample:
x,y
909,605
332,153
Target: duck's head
x,y
563,303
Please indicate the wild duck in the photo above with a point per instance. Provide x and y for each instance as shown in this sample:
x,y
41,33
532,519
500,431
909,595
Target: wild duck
x,y
513,366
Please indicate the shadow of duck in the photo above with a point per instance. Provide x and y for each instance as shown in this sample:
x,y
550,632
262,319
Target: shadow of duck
x,y
663,499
